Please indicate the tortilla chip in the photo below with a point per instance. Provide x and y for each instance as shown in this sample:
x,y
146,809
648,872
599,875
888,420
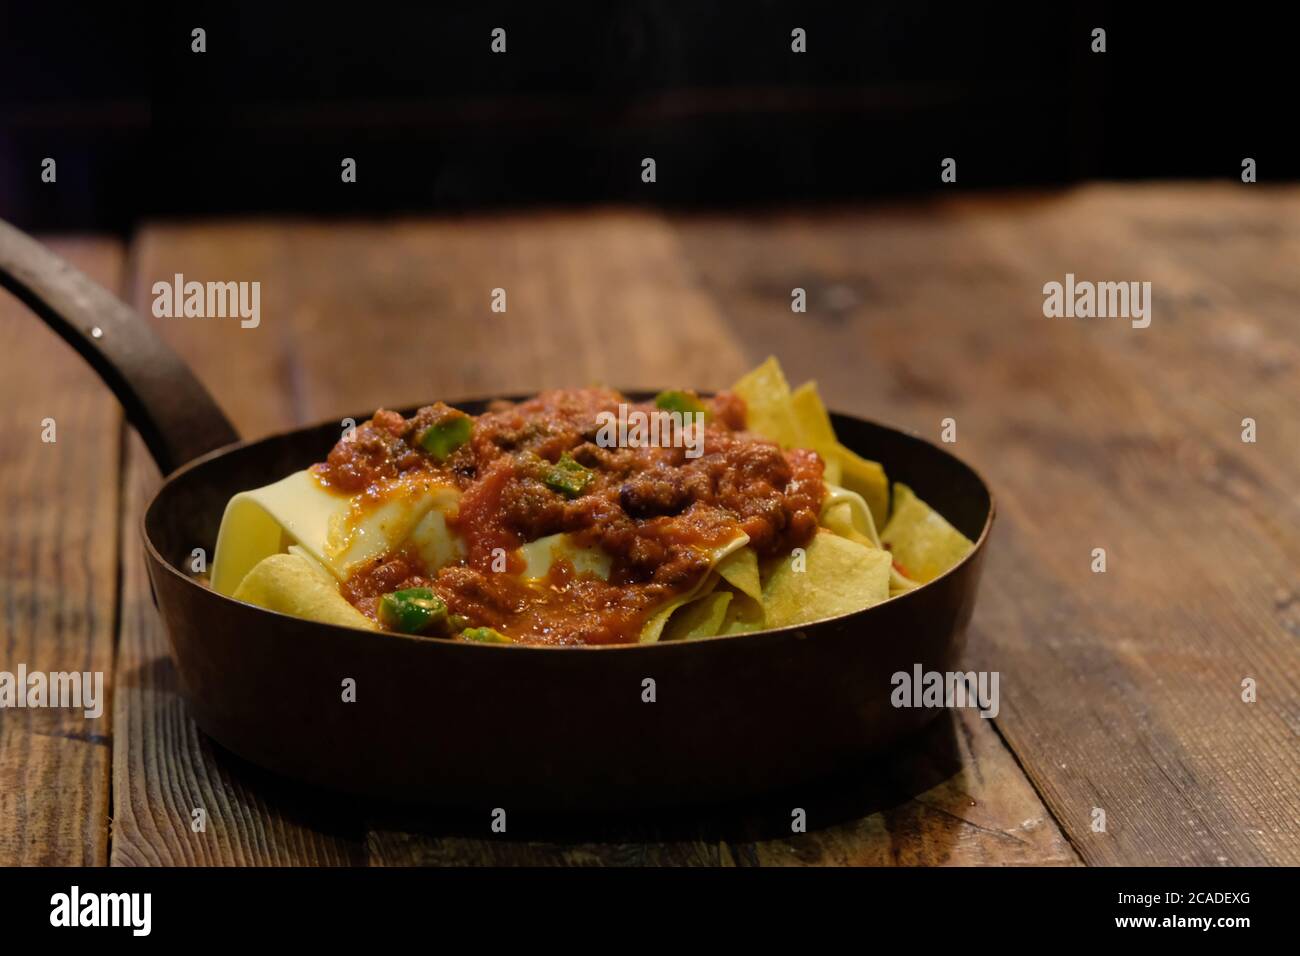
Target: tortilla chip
x,y
839,576
767,399
860,517
702,617
740,570
839,518
867,478
654,626
289,584
813,418
815,428
833,471
921,539
743,614
899,583
312,563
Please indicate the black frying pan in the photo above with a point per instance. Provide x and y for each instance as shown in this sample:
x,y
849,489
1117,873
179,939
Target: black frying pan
x,y
473,724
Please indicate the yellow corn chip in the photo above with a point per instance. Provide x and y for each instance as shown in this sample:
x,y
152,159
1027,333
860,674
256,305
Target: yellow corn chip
x,y
867,478
839,518
654,626
859,514
740,570
743,614
767,398
702,617
815,428
289,584
921,539
834,576
900,583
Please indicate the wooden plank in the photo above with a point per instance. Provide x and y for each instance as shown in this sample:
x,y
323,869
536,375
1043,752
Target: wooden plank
x,y
1122,691
602,297
650,840
955,797
164,768
588,300
58,575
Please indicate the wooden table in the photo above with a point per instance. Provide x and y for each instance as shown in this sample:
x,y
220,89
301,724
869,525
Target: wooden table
x,y
1120,690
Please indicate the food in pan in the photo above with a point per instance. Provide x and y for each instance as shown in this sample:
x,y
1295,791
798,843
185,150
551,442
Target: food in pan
x,y
579,517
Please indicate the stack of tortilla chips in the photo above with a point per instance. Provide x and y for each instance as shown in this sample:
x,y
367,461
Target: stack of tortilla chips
x,y
847,565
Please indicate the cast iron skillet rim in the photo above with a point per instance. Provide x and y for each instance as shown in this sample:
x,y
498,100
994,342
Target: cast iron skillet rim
x,y
567,648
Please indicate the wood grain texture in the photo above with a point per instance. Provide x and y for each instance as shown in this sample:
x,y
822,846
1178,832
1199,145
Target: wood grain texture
x,y
954,798
164,768
363,315
58,578
1120,691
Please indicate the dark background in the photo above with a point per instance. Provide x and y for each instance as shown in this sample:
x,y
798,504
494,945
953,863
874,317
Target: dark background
x,y
142,127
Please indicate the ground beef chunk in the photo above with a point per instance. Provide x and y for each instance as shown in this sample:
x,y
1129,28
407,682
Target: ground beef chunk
x,y
531,509
659,491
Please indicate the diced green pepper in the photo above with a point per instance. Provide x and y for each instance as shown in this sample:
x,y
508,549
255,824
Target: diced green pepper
x,y
442,438
413,611
484,635
568,477
677,401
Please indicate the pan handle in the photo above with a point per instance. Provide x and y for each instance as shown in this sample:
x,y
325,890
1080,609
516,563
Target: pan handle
x,y
171,410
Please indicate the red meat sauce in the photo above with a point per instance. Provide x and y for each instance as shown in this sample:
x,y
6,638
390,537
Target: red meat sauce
x,y
647,507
